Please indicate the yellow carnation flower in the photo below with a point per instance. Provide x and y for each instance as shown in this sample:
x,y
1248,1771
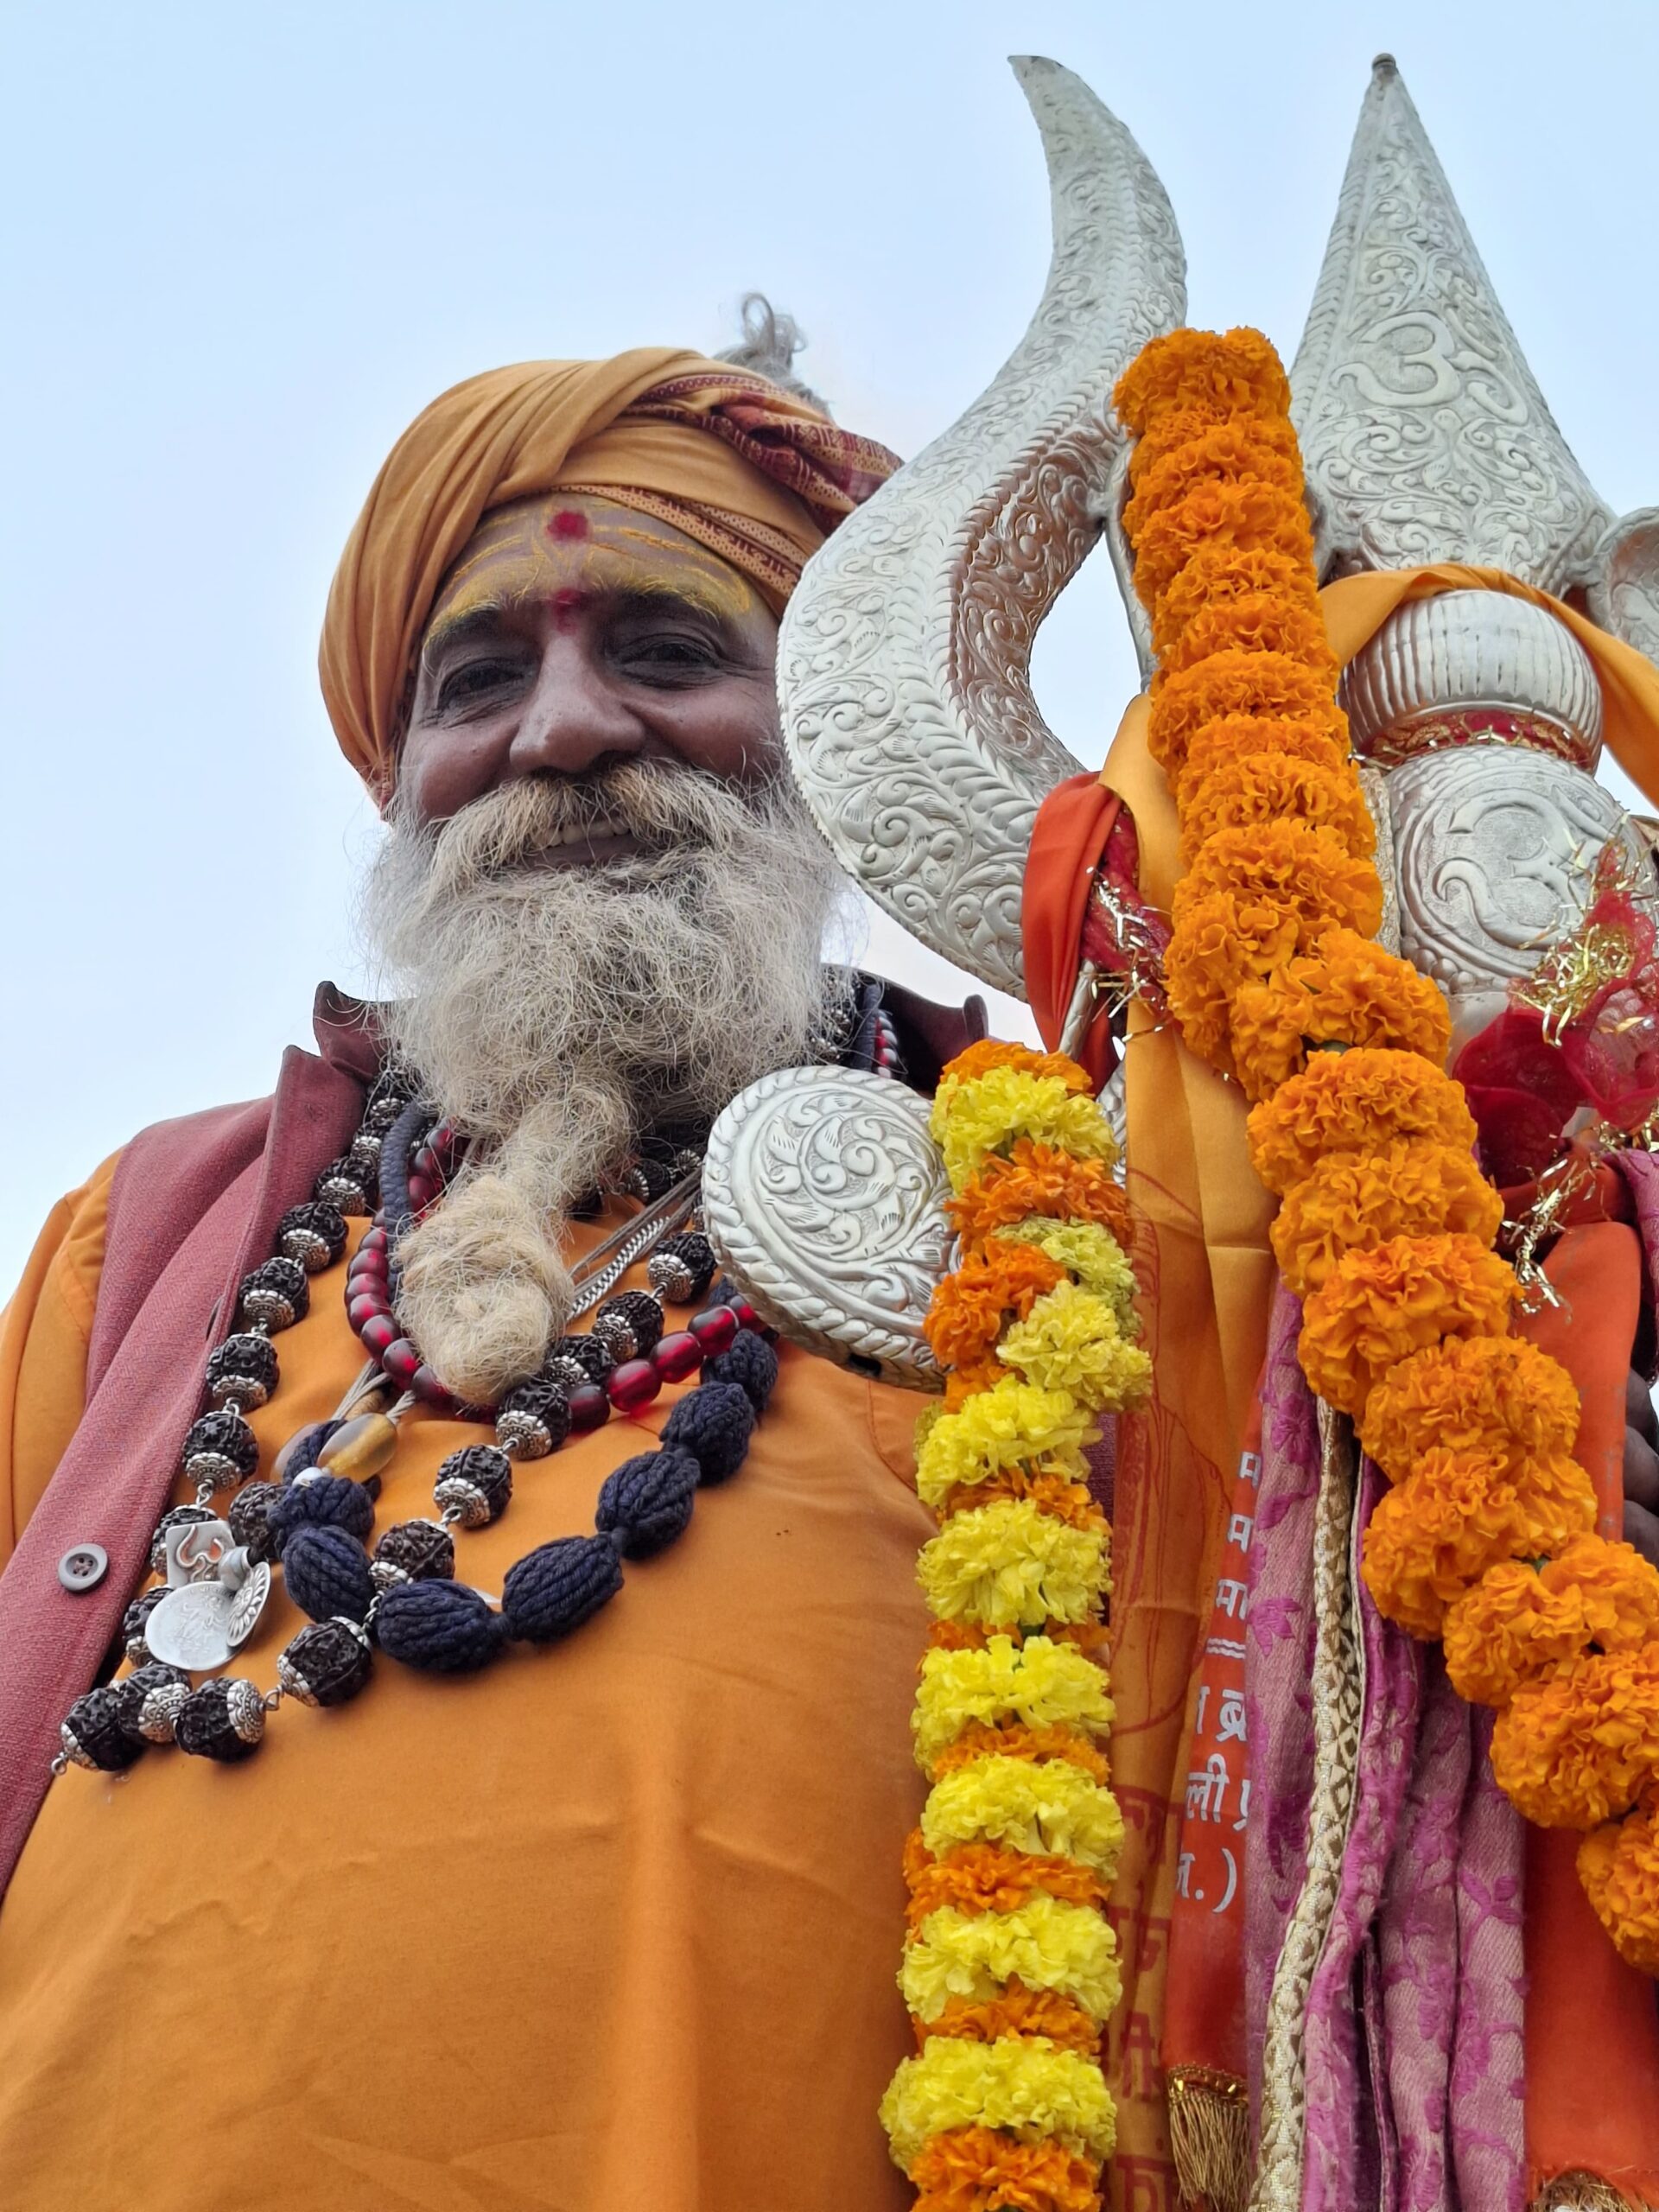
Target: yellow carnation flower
x,y
1048,1943
1048,1808
1010,1565
1011,1426
987,1115
1070,1341
1090,1253
1027,2085
1039,1682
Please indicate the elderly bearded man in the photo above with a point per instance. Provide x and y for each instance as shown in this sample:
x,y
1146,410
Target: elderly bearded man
x,y
604,1924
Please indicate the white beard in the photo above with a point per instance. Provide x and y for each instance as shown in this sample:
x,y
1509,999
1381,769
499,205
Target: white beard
x,y
557,1014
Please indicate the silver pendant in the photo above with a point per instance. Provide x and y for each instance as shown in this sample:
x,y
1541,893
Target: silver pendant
x,y
196,1551
214,1605
191,1627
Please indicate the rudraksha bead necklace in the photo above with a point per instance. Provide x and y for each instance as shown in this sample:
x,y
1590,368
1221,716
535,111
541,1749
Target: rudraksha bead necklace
x,y
314,1517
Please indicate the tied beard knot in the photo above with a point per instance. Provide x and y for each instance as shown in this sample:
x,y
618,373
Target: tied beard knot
x,y
558,1012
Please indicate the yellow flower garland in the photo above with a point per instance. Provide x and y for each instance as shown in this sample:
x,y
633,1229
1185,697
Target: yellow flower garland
x,y
1386,1228
1009,1706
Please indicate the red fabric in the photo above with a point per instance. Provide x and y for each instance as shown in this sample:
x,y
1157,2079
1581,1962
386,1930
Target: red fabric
x,y
194,1204
1067,844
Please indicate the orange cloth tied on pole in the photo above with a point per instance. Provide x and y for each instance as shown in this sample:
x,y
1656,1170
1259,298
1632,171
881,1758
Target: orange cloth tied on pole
x,y
758,477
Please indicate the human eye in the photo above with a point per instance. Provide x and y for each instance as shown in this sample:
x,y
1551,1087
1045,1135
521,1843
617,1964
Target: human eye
x,y
472,682
667,655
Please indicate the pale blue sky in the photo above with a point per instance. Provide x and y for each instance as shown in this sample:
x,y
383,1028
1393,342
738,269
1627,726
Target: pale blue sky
x,y
242,247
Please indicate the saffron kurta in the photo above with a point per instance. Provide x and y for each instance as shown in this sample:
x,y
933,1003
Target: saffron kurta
x,y
612,1925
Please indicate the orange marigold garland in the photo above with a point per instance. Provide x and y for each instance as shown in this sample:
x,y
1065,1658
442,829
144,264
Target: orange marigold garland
x,y
1009,1967
1387,1227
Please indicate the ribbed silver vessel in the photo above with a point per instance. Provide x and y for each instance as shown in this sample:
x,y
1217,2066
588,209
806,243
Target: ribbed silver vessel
x,y
1471,652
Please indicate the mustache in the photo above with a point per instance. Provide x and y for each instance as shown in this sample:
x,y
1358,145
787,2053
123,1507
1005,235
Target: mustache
x,y
662,806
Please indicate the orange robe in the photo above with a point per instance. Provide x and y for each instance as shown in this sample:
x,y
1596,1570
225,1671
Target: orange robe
x,y
611,1925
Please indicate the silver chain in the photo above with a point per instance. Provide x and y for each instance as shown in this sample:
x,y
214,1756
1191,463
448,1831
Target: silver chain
x,y
619,1250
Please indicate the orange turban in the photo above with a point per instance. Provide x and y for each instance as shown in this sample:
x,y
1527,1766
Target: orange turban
x,y
758,477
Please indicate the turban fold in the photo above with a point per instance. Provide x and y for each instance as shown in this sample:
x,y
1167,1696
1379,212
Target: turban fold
x,y
758,477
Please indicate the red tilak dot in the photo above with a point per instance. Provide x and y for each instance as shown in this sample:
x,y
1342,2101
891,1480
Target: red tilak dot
x,y
567,524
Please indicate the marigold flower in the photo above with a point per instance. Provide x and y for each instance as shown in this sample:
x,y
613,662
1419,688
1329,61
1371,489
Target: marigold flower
x,y
1270,622
1432,1536
965,1382
1015,2010
1036,1178
1375,1307
977,2170
991,1877
1221,575
1308,871
1023,2085
1069,1340
971,1307
1268,786
970,1119
1573,1751
1273,686
1224,943
1321,739
1009,1565
1359,1100
1049,1809
1062,1499
987,1052
1014,1740
1244,516
1233,372
1558,1504
1235,452
1046,1941
1473,1393
1039,1682
1522,1623
1093,1254
1345,991
1014,1425
1618,1865
1354,1201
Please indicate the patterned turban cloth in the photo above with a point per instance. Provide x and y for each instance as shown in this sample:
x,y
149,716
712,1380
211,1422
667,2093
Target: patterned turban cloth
x,y
758,477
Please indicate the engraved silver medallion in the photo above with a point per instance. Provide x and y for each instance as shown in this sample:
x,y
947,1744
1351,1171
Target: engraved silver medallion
x,y
191,1627
248,1603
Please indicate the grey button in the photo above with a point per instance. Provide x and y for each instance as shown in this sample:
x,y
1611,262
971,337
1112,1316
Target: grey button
x,y
83,1567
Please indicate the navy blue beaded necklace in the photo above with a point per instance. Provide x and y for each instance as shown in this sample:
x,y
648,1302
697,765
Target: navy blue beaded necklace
x,y
405,1601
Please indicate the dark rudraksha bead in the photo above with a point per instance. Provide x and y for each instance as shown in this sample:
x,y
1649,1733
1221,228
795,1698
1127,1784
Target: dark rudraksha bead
x,y
319,1500
221,1449
326,1571
682,1268
246,1515
135,1619
176,1516
150,1698
92,1734
276,1294
629,1325
647,1501
474,1485
533,1420
575,1360
340,1185
327,1663
557,1587
224,1719
244,1368
313,1234
413,1551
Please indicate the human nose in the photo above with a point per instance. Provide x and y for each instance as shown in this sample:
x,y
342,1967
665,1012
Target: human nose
x,y
573,719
